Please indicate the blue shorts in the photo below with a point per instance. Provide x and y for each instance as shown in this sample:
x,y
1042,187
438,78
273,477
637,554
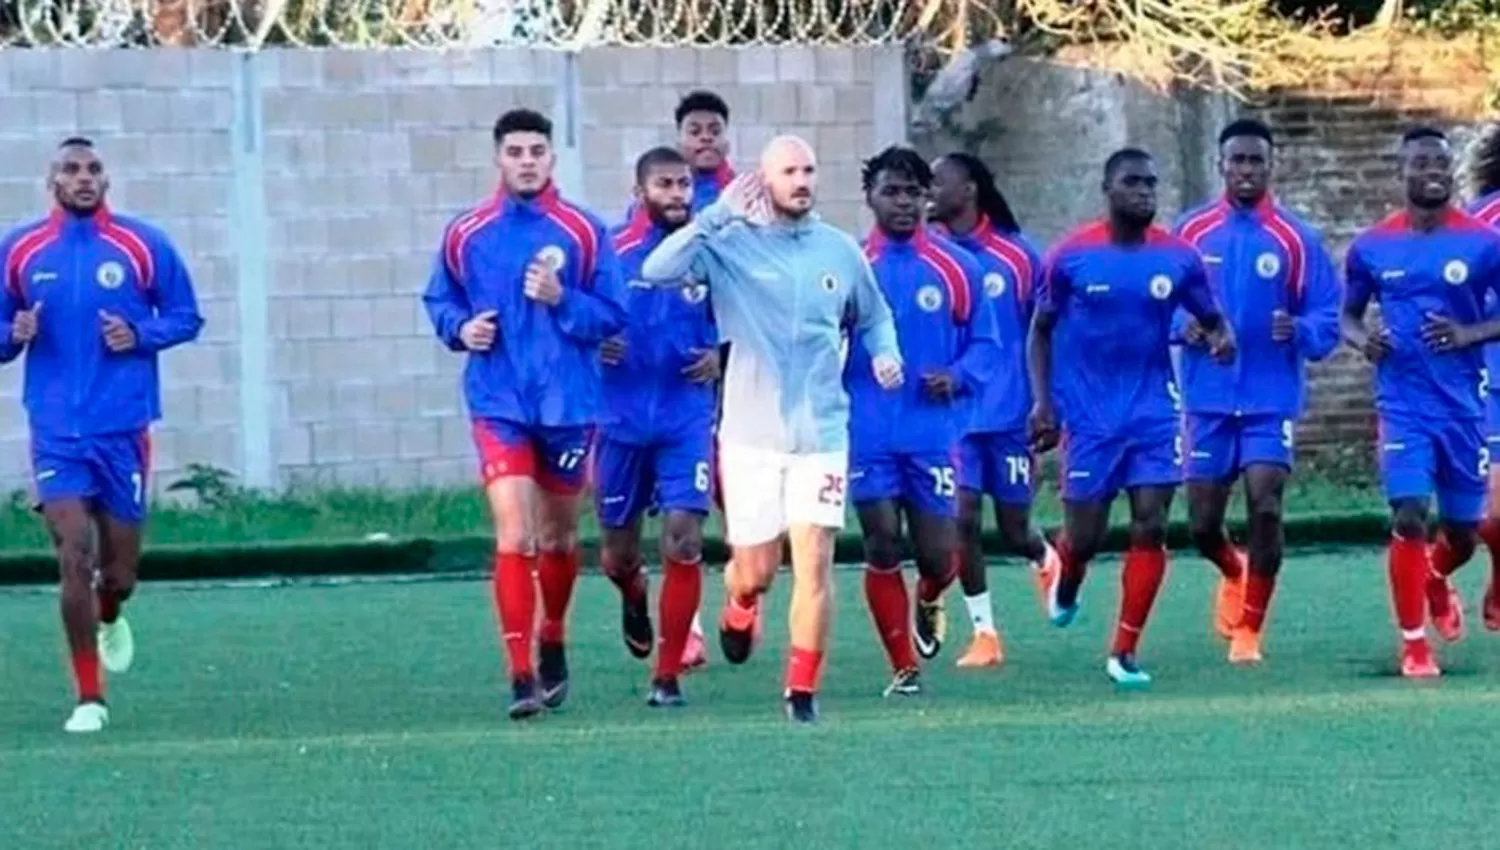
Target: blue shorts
x,y
554,457
108,471
998,465
1448,459
1095,467
1220,445
668,476
925,481
1492,425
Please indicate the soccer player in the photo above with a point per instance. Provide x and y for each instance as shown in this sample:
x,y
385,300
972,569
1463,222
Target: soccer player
x,y
993,456
781,283
1099,345
1482,169
528,285
654,448
1277,286
1431,267
901,442
702,136
92,298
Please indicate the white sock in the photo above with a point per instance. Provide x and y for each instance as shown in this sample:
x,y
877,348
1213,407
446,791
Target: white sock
x,y
981,615
697,627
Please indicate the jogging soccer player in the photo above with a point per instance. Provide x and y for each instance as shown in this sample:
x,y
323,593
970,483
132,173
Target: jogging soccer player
x,y
993,456
654,448
1277,286
1431,266
1100,345
781,283
92,298
902,442
528,285
1482,170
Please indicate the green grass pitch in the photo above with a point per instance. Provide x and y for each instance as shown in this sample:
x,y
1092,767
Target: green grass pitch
x,y
370,716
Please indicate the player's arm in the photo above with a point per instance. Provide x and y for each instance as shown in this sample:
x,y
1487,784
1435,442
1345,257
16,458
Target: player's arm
x,y
1316,332
1052,296
1197,298
1357,296
446,301
10,305
176,319
979,337
872,317
594,312
683,255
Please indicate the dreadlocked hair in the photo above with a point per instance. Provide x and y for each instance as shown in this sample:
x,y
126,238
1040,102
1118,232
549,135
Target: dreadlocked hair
x,y
1479,171
988,197
897,160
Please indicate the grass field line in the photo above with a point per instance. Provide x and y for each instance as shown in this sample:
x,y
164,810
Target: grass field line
x,y
542,733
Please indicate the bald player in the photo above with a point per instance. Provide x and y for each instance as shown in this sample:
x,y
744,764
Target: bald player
x,y
782,284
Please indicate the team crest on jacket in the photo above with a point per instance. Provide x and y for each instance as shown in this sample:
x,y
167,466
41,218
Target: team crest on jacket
x,y
1267,265
694,293
110,275
929,299
1456,272
994,285
552,257
1161,287
829,282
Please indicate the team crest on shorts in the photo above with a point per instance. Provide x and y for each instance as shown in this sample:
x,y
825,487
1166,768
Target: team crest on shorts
x,y
1267,265
110,275
552,257
929,299
694,293
994,285
1456,272
1161,287
829,282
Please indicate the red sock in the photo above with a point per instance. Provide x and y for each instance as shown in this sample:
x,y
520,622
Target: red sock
x,y
1142,577
885,591
1409,569
1227,559
630,580
515,601
1489,532
1445,561
803,669
556,572
109,605
681,591
931,589
86,675
1258,590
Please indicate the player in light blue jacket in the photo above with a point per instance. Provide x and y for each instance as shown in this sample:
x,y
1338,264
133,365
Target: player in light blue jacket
x,y
783,284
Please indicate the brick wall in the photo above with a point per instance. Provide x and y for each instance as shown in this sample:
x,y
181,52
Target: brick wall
x,y
362,158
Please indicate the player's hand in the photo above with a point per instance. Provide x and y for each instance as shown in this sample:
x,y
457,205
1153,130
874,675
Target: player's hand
x,y
1283,326
939,386
1041,428
746,197
1443,334
1192,332
1221,343
888,372
24,327
1377,344
706,369
119,336
542,284
612,351
478,333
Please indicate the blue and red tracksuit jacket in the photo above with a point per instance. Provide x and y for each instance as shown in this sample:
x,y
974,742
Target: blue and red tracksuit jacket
x,y
945,324
543,369
1011,268
1451,271
1487,210
75,268
646,396
1111,350
1259,259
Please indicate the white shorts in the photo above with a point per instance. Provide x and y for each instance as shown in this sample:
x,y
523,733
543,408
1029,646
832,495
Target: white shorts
x,y
767,491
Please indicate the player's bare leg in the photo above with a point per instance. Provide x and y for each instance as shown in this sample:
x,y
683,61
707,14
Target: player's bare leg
x,y
811,616
747,577
557,571
984,645
119,565
1265,485
1207,503
72,530
1085,525
935,539
1410,567
1454,547
512,501
886,594
681,593
1489,532
620,560
1145,568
